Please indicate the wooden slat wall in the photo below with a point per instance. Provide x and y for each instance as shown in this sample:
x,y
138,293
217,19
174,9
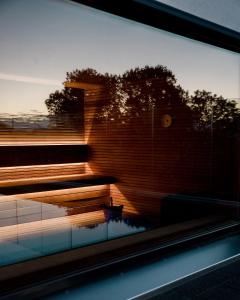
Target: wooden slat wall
x,y
64,195
39,136
13,173
150,161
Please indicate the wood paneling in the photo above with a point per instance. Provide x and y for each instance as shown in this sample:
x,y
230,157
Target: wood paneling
x,y
13,137
150,161
52,182
57,196
12,175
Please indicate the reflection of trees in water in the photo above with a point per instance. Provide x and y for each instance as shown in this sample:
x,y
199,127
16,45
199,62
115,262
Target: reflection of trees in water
x,y
142,90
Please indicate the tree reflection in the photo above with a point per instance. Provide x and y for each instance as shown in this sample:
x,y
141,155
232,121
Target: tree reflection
x,y
142,90
213,111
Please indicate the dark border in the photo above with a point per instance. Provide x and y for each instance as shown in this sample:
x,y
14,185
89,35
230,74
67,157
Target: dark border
x,y
28,155
168,18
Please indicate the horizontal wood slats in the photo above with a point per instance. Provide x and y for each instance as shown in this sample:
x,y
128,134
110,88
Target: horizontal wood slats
x,y
38,186
57,196
55,182
145,156
39,136
25,173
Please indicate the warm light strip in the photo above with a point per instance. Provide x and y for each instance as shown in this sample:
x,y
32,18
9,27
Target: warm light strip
x,y
41,166
83,85
36,180
54,196
32,143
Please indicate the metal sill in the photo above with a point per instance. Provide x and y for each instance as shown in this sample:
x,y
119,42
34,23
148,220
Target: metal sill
x,y
144,274
149,280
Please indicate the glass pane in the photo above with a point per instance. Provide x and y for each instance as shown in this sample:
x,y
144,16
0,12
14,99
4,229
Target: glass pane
x,y
151,119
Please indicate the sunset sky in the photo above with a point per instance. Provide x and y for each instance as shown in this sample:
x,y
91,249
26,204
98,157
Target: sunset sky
x,y
42,40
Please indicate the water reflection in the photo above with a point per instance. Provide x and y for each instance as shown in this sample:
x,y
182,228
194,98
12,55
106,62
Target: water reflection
x,y
32,229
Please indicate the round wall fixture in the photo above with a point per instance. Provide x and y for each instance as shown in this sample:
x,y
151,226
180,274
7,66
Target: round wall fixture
x,y
166,120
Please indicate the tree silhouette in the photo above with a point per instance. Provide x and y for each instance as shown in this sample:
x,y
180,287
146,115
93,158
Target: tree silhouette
x,y
128,95
67,101
142,90
66,108
68,104
151,90
212,111
139,91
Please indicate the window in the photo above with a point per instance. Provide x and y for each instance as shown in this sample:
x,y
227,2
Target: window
x,y
113,133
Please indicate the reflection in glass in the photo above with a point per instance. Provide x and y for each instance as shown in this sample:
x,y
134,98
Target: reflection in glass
x,y
160,115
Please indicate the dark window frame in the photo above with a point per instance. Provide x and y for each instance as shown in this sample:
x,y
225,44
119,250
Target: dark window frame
x,y
162,16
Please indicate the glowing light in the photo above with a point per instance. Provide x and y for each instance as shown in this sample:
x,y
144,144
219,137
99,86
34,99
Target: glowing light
x,y
83,86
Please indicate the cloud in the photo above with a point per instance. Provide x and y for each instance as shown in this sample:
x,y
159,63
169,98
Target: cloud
x,y
29,79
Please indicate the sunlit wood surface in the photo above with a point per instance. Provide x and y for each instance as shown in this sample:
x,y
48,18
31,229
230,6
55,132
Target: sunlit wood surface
x,y
58,136
69,179
40,171
152,161
69,194
36,180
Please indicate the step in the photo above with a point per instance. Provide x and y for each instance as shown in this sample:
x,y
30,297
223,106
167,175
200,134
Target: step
x,y
35,200
25,155
61,195
9,174
52,183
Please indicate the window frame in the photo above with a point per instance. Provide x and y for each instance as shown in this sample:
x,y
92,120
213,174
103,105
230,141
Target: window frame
x,y
173,20
168,18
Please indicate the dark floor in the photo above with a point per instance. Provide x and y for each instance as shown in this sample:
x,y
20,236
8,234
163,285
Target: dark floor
x,y
221,284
